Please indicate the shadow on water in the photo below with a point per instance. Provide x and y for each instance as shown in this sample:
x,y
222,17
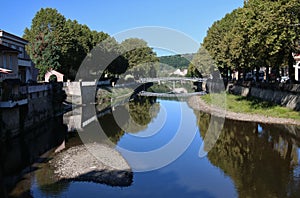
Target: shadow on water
x,y
261,159
19,154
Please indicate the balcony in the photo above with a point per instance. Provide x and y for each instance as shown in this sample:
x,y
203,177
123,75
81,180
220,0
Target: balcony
x,y
13,100
11,104
34,88
25,63
8,76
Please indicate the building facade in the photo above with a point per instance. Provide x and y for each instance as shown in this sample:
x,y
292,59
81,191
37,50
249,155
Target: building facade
x,y
26,70
8,63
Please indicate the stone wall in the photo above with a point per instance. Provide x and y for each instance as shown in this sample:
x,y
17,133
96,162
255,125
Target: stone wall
x,y
42,104
73,91
283,94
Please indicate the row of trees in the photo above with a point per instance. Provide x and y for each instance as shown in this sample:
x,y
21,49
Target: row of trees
x,y
62,44
263,33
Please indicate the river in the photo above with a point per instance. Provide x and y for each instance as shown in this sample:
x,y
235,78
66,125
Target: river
x,y
247,160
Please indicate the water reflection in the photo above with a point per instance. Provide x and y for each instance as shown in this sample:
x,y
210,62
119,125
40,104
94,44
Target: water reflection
x,y
260,159
132,117
18,155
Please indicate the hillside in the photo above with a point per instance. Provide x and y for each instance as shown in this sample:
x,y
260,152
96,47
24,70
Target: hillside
x,y
178,61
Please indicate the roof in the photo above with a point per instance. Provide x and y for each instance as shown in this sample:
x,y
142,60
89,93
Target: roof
x,y
52,71
4,33
8,49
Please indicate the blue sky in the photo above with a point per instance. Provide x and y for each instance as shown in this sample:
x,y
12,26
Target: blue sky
x,y
192,17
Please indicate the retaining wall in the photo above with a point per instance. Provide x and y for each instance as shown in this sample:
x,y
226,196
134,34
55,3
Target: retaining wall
x,y
283,94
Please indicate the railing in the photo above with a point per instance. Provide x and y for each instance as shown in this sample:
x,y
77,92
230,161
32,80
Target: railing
x,y
143,80
10,99
28,89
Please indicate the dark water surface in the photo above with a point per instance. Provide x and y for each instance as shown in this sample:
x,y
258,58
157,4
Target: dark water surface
x,y
248,159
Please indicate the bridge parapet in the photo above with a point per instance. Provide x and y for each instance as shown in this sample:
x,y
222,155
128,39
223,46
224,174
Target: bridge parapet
x,y
144,80
171,95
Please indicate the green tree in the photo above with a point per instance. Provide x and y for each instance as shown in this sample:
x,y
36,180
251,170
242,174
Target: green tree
x,y
180,61
137,52
202,65
57,43
46,38
272,38
79,41
259,34
142,61
104,60
218,39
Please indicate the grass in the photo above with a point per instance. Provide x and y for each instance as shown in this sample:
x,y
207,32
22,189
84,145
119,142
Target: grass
x,y
250,105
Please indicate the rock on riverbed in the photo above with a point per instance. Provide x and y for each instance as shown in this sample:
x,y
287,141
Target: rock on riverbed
x,y
93,162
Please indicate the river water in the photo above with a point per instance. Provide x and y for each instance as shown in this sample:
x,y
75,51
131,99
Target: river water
x,y
247,160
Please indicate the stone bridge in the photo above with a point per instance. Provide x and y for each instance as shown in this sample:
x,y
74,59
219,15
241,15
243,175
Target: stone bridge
x,y
83,94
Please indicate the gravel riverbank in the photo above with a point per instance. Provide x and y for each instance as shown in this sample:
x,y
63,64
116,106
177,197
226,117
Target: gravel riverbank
x,y
197,103
79,163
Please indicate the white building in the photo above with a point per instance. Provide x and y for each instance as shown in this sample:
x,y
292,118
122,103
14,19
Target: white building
x,y
180,73
26,69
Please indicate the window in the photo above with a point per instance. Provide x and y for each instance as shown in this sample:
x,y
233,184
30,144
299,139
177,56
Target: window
x,y
21,55
5,43
10,62
4,61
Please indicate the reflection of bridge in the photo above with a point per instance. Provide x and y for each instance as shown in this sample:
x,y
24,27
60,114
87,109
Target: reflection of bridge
x,y
158,79
82,116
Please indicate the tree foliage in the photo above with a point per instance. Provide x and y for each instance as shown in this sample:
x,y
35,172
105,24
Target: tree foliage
x,y
63,45
202,65
57,43
177,61
45,39
137,52
78,43
262,33
142,60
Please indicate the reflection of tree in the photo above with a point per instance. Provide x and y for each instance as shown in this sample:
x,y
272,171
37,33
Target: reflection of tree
x,y
132,117
111,127
259,162
48,183
141,112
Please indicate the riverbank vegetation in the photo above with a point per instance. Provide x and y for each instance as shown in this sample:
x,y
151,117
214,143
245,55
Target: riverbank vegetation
x,y
250,105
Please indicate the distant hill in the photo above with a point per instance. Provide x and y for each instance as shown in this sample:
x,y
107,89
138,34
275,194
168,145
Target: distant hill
x,y
179,61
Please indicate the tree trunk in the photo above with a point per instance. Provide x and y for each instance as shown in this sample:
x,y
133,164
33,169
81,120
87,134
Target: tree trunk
x,y
257,73
267,73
